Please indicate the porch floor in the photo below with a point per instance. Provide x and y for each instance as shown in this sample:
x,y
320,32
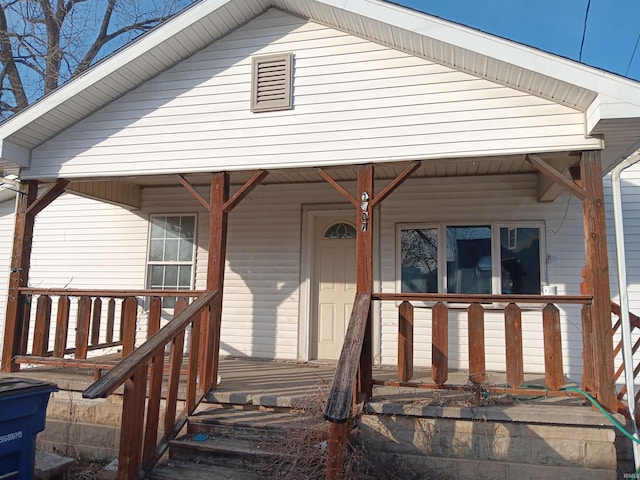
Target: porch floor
x,y
289,384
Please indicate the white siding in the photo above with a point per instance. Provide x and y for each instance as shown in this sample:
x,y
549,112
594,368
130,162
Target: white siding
x,y
354,101
82,243
7,210
486,199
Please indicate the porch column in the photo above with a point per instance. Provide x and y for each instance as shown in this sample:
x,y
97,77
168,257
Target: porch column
x,y
19,276
218,218
597,277
364,276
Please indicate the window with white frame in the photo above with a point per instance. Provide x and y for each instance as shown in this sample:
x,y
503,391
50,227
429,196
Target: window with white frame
x,y
171,253
497,258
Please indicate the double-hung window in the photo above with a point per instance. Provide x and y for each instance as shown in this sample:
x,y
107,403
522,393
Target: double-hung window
x,y
495,258
171,253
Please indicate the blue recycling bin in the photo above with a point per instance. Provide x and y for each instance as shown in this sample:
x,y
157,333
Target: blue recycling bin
x,y
23,411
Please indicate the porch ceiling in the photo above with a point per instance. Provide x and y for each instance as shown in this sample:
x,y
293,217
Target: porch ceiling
x,y
457,167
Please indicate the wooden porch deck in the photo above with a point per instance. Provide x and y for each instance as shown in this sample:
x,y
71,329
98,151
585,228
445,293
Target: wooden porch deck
x,y
272,384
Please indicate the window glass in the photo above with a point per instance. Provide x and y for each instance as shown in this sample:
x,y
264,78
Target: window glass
x,y
520,260
171,253
419,260
340,230
469,259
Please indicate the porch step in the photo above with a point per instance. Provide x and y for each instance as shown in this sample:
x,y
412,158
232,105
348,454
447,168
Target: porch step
x,y
190,471
238,444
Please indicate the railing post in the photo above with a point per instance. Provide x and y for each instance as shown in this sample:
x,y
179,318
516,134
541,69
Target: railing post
x,y
554,373
19,276
43,325
513,344
477,362
440,343
405,341
132,427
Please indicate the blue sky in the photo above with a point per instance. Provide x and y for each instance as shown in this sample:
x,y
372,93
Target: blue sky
x,y
554,26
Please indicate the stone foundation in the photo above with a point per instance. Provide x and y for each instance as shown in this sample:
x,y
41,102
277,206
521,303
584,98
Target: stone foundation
x,y
80,428
518,442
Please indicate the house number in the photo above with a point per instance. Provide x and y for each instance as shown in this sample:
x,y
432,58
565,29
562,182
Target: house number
x,y
364,206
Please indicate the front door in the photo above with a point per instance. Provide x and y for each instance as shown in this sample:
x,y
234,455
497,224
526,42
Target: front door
x,y
334,283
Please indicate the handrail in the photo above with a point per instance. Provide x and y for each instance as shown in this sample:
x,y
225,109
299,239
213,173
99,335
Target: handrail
x,y
70,292
107,384
482,298
338,405
616,310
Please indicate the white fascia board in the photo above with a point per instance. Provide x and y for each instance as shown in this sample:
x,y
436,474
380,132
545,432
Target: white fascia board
x,y
110,65
605,108
15,154
504,50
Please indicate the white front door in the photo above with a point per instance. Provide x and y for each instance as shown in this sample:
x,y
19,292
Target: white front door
x,y
334,283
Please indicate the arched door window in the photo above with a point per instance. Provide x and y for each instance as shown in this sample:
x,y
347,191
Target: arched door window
x,y
340,230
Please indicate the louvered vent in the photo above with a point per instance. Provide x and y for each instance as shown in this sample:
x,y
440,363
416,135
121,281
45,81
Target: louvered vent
x,y
271,83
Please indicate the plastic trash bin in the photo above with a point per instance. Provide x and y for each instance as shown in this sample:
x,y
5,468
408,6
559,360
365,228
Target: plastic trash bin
x,y
23,411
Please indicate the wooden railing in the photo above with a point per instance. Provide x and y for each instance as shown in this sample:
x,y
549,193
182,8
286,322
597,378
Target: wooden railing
x,y
617,348
103,321
512,307
140,448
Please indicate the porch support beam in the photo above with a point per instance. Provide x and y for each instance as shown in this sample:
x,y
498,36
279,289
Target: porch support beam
x,y
218,220
399,180
597,277
19,276
47,197
364,274
247,188
339,188
192,190
555,176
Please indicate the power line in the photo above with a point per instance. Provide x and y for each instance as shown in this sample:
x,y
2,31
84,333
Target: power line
x,y
584,29
633,54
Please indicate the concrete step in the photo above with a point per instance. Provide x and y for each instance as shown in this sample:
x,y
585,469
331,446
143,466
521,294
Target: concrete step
x,y
256,425
221,441
191,471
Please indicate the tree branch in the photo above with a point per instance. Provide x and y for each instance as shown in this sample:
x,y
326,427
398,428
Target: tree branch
x,y
6,56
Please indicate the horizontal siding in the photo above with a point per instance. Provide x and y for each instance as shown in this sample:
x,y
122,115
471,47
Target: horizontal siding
x,y
354,101
486,199
7,210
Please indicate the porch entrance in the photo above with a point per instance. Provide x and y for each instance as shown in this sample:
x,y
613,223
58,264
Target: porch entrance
x,y
334,283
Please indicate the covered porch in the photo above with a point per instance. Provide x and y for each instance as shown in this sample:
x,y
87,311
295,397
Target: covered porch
x,y
108,319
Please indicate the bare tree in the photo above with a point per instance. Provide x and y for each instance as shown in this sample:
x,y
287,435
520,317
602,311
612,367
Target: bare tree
x,y
44,43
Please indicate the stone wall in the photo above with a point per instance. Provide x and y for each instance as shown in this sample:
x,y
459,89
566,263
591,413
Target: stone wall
x,y
517,442
80,428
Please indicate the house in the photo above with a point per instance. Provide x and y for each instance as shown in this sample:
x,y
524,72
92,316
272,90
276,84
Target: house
x,y
284,139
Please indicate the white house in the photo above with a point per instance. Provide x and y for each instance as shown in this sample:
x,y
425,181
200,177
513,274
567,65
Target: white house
x,y
490,134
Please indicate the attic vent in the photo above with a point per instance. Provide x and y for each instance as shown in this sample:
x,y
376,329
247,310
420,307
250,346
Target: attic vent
x,y
271,83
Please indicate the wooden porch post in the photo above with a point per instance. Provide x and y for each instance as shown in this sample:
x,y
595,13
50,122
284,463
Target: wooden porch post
x,y
364,275
597,277
218,218
19,276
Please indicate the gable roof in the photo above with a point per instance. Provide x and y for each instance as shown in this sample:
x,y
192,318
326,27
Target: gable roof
x,y
611,103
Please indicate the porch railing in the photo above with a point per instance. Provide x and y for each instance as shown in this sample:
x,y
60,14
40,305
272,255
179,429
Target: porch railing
x,y
617,348
339,404
69,324
512,307
140,448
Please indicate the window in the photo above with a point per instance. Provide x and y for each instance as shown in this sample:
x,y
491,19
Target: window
x,y
171,253
484,259
339,231
271,83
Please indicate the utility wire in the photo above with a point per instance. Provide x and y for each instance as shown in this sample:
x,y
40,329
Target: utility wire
x,y
584,29
633,54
